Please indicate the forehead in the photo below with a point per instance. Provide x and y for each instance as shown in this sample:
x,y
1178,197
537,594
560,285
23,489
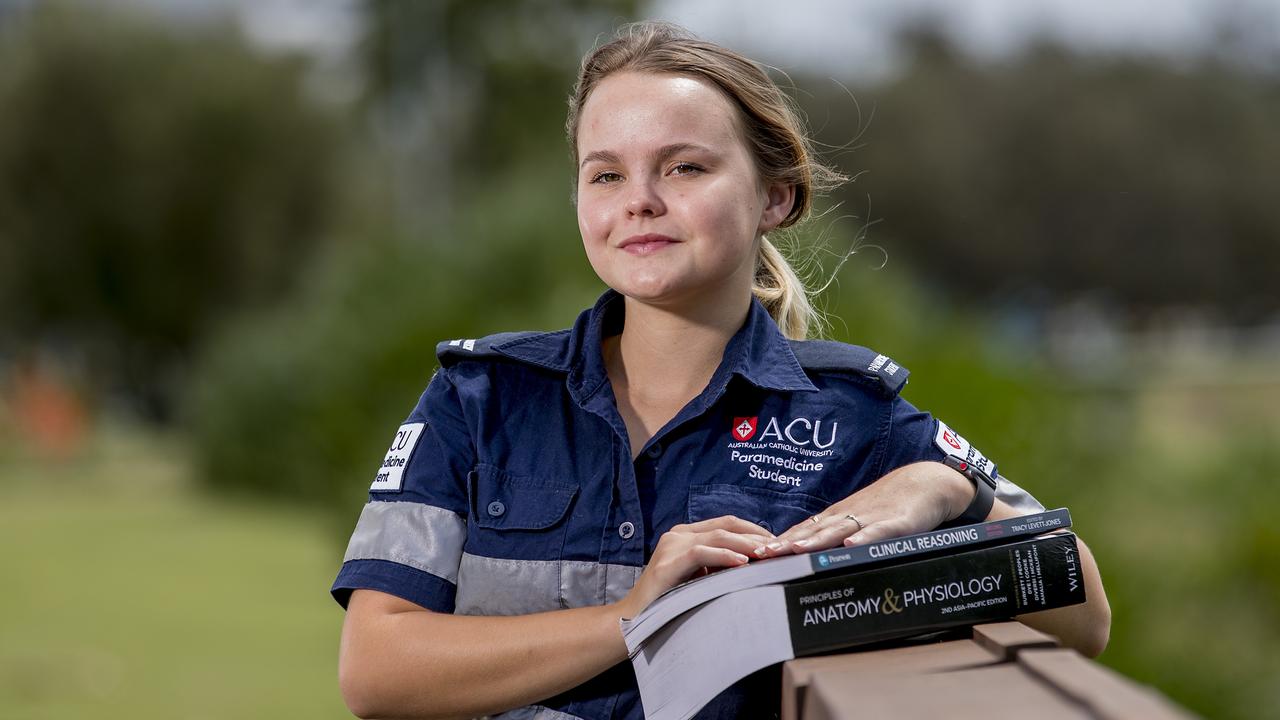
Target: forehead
x,y
644,109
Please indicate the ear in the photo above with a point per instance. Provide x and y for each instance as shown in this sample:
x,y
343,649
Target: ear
x,y
779,200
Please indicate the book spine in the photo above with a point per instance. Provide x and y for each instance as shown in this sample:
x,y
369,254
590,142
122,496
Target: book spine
x,y
941,540
982,585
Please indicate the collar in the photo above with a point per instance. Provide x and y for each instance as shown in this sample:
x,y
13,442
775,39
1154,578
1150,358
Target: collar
x,y
758,352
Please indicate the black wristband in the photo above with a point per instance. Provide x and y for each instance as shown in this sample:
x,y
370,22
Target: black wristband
x,y
983,499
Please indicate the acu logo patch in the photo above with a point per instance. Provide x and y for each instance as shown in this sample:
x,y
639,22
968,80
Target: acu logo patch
x,y
391,473
744,428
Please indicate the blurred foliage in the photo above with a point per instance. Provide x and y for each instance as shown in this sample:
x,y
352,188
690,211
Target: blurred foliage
x,y
1188,549
1054,175
152,181
300,403
459,90
509,65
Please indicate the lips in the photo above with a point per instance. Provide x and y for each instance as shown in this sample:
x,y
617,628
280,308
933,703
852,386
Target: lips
x,y
646,244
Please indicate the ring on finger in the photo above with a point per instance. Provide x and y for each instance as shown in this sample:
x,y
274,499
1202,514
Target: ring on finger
x,y
851,517
814,518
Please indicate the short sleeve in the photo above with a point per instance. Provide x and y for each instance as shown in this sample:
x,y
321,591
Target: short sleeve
x,y
409,538
916,436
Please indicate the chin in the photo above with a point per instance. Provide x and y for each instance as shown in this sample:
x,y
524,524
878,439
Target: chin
x,y
648,287
650,293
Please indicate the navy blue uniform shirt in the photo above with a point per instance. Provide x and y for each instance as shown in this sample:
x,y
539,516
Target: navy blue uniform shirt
x,y
510,488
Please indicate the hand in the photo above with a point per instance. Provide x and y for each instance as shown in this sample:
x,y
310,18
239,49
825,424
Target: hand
x,y
914,498
686,551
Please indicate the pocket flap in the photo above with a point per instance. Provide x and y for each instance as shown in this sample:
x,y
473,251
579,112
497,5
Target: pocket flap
x,y
503,501
774,510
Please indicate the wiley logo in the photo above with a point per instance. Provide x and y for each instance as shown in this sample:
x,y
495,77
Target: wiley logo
x,y
1073,570
744,428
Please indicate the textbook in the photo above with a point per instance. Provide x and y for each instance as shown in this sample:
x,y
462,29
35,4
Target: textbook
x,y
689,595
693,658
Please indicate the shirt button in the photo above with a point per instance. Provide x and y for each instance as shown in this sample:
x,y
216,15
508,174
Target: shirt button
x,y
626,530
654,451
496,508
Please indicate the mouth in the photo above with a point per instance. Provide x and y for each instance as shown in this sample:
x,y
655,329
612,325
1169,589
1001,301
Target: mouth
x,y
646,244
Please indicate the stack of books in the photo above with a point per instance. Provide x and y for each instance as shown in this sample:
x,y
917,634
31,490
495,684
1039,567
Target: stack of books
x,y
701,637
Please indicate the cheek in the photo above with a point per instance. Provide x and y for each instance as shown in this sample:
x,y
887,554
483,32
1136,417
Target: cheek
x,y
592,220
733,214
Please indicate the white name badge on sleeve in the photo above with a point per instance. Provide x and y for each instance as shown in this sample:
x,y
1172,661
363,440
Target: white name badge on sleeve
x,y
391,474
950,442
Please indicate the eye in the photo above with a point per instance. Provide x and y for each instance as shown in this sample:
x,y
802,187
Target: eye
x,y
608,176
685,168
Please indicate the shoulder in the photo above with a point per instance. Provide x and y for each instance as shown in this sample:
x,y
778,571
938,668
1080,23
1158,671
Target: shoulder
x,y
827,357
537,348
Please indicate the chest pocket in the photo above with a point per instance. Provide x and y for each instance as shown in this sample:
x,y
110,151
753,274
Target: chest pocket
x,y
517,513
773,510
515,538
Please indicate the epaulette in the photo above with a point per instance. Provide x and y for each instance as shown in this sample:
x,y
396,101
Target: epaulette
x,y
825,355
452,351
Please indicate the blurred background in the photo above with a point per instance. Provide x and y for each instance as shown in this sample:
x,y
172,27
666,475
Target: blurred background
x,y
231,232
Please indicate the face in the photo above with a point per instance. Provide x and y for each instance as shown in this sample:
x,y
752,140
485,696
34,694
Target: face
x,y
670,205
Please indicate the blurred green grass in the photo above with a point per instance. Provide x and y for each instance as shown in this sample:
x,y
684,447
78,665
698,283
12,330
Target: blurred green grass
x,y
130,594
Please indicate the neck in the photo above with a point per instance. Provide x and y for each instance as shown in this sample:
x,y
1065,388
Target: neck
x,y
668,355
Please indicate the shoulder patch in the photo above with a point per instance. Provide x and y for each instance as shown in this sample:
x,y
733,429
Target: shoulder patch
x,y
968,456
452,351
391,472
829,356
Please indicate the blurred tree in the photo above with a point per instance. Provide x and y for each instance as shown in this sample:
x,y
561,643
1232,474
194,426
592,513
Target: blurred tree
x,y
151,182
467,103
1052,176
459,90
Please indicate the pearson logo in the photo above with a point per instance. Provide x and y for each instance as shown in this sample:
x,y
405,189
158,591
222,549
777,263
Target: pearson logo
x,y
744,428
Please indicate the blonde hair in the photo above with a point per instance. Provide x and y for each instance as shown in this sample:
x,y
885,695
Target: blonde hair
x,y
772,128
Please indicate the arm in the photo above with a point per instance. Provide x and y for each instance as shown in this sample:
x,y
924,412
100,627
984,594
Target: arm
x,y
921,496
398,660
1085,627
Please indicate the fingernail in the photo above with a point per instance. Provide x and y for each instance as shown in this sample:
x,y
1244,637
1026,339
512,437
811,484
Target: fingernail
x,y
774,546
742,558
803,543
760,551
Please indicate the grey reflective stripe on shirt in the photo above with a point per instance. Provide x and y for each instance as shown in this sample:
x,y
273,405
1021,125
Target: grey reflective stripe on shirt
x,y
534,712
1016,497
497,586
424,537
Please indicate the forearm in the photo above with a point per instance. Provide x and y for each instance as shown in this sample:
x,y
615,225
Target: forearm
x,y
1085,627
417,664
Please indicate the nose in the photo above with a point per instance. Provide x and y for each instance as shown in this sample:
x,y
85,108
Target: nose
x,y
644,200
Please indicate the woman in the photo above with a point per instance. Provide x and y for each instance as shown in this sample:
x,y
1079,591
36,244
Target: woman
x,y
548,484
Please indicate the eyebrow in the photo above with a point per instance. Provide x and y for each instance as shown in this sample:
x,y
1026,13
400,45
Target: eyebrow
x,y
661,153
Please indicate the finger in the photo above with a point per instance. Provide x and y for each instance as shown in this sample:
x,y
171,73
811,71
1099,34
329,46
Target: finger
x,y
804,528
878,531
721,538
832,534
728,522
801,534
716,557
